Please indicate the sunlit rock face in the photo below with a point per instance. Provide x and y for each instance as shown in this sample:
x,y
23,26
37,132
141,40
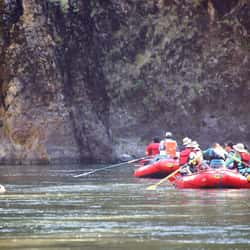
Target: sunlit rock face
x,y
91,80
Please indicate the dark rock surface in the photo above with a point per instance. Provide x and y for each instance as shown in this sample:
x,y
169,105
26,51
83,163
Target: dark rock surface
x,y
92,80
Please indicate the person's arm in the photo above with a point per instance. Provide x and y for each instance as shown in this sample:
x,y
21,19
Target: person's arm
x,y
161,146
147,151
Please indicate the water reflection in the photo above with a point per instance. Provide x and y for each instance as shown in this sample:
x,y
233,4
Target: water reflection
x,y
46,208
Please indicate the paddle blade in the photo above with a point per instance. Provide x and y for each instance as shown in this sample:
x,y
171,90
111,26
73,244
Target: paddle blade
x,y
152,187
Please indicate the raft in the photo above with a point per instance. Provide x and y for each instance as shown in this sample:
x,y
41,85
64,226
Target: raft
x,y
212,178
145,161
157,169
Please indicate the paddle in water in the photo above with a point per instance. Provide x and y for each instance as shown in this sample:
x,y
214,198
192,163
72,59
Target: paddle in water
x,y
154,186
109,167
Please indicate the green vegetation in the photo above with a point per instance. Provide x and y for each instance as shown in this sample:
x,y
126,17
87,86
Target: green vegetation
x,y
64,4
197,3
245,43
142,59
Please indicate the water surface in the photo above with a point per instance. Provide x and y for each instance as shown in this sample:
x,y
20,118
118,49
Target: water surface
x,y
46,208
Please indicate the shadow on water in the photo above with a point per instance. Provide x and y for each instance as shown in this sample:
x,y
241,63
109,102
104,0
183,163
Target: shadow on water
x,y
46,208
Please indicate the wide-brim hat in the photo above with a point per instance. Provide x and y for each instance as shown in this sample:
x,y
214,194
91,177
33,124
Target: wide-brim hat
x,y
239,147
186,141
193,144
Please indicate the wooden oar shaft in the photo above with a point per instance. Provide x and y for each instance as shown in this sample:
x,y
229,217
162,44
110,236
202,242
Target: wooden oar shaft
x,y
154,186
109,167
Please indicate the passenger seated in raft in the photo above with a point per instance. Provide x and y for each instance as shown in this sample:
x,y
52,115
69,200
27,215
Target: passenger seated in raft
x,y
215,155
186,150
240,160
168,147
228,147
194,162
185,142
153,147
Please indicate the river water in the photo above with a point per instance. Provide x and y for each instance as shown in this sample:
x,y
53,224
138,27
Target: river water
x,y
46,208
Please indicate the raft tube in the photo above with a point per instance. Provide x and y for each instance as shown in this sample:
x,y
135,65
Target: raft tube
x,y
212,178
157,169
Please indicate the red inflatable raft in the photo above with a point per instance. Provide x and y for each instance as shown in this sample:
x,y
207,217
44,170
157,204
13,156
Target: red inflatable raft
x,y
158,169
212,178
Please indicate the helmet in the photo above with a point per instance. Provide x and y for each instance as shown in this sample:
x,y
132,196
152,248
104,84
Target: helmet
x,y
168,135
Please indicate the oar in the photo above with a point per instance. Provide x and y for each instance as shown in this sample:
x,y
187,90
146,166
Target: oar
x,y
154,186
111,166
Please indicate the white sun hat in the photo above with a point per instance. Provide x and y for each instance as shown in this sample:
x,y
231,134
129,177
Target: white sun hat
x,y
193,144
239,147
186,141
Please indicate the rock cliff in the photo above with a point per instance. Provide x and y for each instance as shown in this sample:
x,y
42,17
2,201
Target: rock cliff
x,y
90,80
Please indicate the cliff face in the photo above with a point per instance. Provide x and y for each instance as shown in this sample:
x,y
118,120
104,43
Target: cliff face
x,y
91,80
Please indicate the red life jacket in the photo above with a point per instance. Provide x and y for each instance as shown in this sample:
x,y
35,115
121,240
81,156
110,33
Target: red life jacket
x,y
184,155
153,149
245,157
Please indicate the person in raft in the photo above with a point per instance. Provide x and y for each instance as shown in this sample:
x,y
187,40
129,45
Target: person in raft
x,y
229,163
240,159
186,150
185,142
194,159
215,155
153,147
229,147
168,147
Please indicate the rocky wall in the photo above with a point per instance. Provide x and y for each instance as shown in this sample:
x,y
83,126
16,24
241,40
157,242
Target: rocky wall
x,y
93,80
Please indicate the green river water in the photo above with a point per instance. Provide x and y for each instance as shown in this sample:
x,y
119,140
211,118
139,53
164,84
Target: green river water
x,y
46,208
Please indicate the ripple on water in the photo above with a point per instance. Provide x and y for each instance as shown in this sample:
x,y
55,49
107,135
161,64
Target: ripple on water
x,y
56,210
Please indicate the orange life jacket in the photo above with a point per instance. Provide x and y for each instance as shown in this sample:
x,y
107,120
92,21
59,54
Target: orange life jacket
x,y
170,148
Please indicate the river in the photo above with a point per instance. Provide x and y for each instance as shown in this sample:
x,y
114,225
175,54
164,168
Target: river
x,y
46,208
